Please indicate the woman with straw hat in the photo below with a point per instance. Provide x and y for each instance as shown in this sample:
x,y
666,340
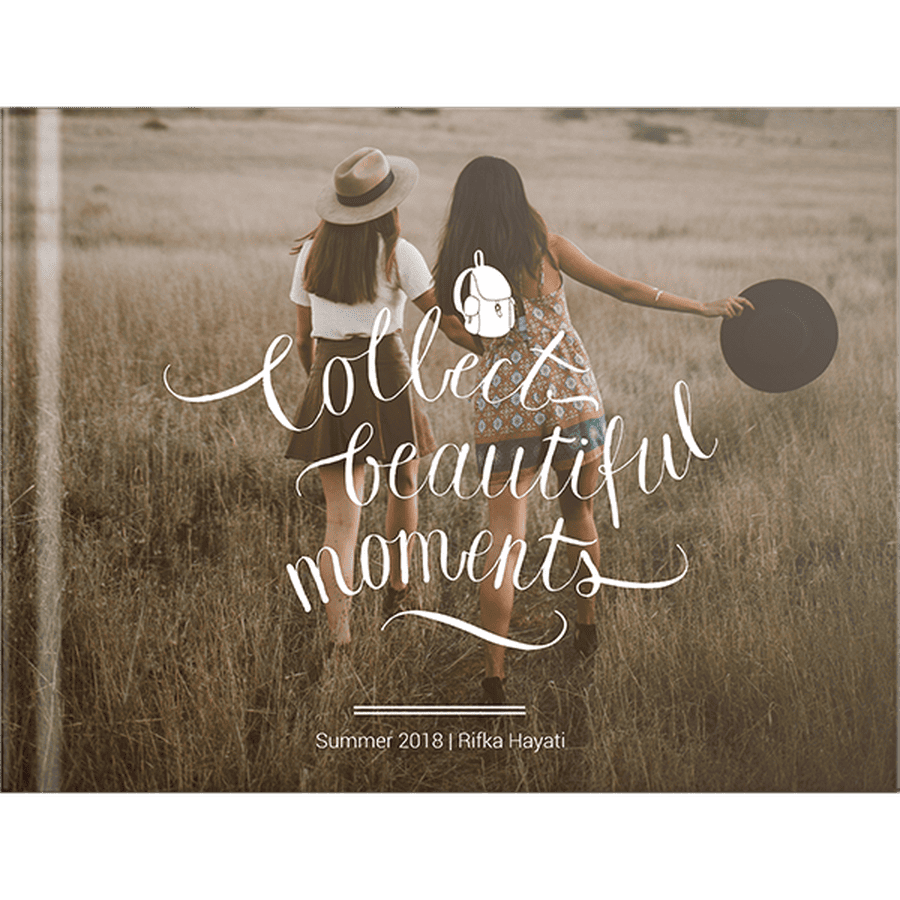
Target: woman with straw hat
x,y
353,271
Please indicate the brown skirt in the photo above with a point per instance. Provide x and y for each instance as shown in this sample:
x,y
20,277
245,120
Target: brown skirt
x,y
393,422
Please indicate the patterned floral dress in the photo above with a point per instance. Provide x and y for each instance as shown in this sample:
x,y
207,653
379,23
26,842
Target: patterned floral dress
x,y
506,423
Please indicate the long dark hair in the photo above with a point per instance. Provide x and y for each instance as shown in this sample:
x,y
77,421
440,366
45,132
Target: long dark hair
x,y
489,212
342,263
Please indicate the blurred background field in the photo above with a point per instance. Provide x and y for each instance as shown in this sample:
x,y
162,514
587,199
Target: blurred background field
x,y
770,667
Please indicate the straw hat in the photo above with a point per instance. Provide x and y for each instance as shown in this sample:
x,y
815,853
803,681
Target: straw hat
x,y
366,185
786,341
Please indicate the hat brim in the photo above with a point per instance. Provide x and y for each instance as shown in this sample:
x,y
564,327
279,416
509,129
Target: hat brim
x,y
406,175
786,341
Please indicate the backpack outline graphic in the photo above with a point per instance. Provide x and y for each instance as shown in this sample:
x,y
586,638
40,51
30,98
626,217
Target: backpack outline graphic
x,y
489,309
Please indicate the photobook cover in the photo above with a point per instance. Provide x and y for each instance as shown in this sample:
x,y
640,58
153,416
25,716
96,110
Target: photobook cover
x,y
164,628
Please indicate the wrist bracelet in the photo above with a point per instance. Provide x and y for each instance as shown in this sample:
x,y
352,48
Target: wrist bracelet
x,y
656,298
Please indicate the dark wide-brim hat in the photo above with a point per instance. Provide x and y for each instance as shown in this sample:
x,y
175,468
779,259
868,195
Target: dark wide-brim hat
x,y
365,186
786,341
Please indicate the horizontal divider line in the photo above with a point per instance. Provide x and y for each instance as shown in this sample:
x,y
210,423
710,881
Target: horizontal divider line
x,y
442,706
480,710
442,712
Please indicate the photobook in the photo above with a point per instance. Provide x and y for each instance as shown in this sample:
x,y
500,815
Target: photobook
x,y
394,450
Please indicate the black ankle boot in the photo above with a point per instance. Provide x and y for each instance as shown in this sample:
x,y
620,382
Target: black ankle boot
x,y
493,691
585,639
394,600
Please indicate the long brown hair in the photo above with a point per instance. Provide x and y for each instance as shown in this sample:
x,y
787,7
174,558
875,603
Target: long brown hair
x,y
490,212
342,263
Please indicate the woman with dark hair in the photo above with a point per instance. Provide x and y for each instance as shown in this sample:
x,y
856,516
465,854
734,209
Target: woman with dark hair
x,y
352,271
489,212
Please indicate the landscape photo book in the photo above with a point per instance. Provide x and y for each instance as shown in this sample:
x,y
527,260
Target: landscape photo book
x,y
189,607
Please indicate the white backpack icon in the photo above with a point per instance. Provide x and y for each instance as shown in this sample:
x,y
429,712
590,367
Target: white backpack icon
x,y
489,309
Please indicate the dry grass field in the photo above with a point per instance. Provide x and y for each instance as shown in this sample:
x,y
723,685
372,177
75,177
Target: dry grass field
x,y
771,666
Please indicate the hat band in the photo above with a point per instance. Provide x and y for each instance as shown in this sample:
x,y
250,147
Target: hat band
x,y
368,196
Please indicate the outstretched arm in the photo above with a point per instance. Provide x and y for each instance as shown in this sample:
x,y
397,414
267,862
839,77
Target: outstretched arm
x,y
582,268
450,325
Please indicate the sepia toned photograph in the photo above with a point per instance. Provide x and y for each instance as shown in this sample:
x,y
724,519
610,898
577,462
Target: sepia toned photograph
x,y
449,450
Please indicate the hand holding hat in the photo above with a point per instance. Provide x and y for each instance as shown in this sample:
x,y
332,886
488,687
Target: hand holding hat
x,y
728,308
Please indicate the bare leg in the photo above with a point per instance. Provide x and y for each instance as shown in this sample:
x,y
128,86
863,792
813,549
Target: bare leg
x,y
578,516
507,516
341,531
401,514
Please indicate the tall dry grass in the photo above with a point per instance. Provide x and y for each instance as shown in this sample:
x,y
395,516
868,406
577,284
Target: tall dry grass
x,y
770,667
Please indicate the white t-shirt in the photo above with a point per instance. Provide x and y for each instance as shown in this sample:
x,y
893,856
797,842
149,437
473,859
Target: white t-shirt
x,y
336,321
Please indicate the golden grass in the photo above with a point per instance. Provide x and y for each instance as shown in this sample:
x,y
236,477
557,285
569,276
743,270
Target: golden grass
x,y
770,667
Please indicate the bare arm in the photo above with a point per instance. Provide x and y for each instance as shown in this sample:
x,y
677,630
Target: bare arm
x,y
450,325
577,265
305,342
